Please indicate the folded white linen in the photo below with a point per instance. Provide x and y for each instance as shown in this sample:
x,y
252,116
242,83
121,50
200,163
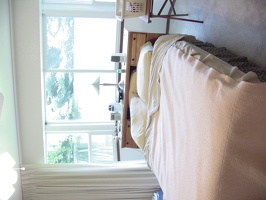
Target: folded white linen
x,y
143,70
138,113
138,118
133,91
159,50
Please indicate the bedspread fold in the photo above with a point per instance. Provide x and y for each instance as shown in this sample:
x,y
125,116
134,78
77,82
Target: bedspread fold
x,y
161,46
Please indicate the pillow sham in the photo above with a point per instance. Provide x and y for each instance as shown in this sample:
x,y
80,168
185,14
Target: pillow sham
x,y
143,71
133,86
138,117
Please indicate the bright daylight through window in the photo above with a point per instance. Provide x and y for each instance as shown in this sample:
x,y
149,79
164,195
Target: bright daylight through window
x,y
76,53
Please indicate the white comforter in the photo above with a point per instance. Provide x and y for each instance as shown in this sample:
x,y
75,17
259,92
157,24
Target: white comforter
x,y
206,134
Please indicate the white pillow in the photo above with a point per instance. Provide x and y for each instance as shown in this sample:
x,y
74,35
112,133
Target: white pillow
x,y
133,86
143,71
138,117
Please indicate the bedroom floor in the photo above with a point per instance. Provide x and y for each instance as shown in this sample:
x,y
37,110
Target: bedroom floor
x,y
238,25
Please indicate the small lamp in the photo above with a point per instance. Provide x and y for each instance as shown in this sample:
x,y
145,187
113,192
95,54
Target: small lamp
x,y
97,84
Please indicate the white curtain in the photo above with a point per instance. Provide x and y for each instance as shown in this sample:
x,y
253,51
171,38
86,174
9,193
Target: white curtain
x,y
123,180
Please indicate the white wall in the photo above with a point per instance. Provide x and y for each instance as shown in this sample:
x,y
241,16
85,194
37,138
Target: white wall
x,y
127,154
26,23
26,27
8,123
137,24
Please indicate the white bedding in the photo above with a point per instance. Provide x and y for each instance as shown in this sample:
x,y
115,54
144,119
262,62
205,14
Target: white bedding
x,y
206,135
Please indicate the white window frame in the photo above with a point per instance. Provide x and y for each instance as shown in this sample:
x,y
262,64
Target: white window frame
x,y
94,10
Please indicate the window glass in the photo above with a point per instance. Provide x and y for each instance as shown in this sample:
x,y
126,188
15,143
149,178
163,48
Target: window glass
x,y
80,43
79,148
79,96
102,148
78,54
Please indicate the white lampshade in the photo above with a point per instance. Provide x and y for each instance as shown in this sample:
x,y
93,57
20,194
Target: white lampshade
x,y
97,84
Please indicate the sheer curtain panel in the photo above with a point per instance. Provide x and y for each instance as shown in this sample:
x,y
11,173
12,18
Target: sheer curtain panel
x,y
123,180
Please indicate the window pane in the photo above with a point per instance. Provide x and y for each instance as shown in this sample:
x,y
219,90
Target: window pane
x,y
73,96
80,43
67,148
102,148
77,148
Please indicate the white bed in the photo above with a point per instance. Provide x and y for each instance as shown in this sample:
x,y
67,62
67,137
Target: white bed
x,y
200,122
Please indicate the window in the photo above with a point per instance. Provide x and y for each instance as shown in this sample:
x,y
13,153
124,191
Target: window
x,y
76,64
80,147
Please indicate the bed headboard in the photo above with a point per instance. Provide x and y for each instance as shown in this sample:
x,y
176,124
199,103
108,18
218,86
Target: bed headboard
x,y
134,41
